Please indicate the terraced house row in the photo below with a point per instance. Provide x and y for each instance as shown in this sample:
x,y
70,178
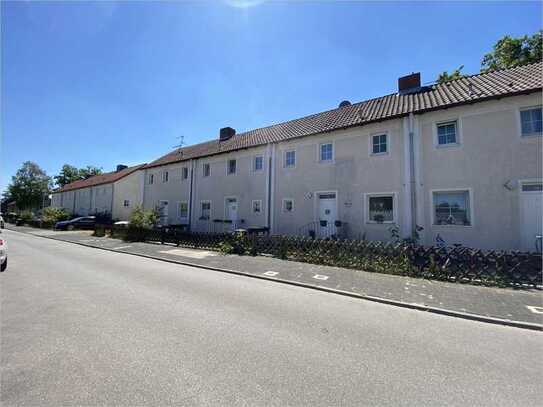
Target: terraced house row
x,y
459,161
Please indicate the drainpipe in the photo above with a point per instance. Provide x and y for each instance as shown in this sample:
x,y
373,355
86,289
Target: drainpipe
x,y
271,187
143,188
190,192
112,198
412,180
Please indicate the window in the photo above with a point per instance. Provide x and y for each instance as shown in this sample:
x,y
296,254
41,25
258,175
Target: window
x,y
452,208
184,173
532,187
206,170
126,203
379,144
257,206
165,176
380,208
183,210
205,210
258,163
288,205
231,169
446,134
290,159
531,121
326,152
151,178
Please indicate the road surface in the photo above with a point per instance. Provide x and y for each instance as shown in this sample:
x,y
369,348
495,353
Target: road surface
x,y
81,326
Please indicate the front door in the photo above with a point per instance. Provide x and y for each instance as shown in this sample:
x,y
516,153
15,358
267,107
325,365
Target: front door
x,y
531,207
163,213
231,212
327,214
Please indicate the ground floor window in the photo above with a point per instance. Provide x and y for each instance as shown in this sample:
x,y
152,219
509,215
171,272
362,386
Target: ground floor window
x,y
380,208
126,203
288,205
183,210
205,210
257,206
452,208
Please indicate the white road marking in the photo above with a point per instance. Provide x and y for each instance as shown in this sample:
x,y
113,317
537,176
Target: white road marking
x,y
535,310
194,254
320,277
270,273
121,247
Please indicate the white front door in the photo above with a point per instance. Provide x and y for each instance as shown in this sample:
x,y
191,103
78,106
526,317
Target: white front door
x,y
231,212
531,208
327,214
163,212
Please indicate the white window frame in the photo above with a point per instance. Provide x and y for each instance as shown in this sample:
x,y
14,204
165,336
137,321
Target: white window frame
x,y
228,166
522,182
319,152
165,177
210,210
458,125
471,205
179,210
519,122
283,207
369,195
254,163
126,203
204,165
183,170
253,206
290,167
370,148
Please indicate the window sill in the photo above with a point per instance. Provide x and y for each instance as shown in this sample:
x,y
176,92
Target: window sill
x,y
531,136
452,145
451,226
385,222
379,154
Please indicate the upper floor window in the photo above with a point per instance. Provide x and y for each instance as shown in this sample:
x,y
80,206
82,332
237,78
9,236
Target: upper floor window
x,y
379,144
126,203
290,159
452,208
206,170
531,121
447,133
231,168
288,205
151,178
165,176
184,173
258,163
326,152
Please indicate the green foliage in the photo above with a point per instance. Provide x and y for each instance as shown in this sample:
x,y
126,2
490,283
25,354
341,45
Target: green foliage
x,y
29,186
226,248
69,174
141,218
445,76
26,216
53,215
510,52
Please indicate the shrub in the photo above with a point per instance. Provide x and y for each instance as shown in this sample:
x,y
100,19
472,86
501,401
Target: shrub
x,y
141,218
54,215
26,217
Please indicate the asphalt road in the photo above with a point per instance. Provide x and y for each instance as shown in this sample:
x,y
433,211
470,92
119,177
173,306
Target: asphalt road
x,y
81,326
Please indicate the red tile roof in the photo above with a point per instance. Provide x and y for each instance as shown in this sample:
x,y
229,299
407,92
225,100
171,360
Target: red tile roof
x,y
101,179
467,90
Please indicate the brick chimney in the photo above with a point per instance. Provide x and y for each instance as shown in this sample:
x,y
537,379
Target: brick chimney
x,y
409,83
121,167
226,133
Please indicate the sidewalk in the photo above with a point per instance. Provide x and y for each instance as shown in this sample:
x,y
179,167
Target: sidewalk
x,y
512,306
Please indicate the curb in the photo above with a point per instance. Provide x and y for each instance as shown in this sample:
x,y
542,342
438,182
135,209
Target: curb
x,y
418,307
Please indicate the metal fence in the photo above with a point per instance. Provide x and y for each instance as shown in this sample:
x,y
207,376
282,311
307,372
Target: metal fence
x,y
458,264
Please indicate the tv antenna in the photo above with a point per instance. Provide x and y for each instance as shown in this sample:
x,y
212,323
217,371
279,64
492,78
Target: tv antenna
x,y
181,142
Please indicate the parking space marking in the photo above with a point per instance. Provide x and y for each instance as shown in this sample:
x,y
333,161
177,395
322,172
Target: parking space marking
x,y
320,277
270,273
121,247
535,310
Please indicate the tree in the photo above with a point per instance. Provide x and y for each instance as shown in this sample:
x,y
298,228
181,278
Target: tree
x,y
29,186
510,52
69,174
446,76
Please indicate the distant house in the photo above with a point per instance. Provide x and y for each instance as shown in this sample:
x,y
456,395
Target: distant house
x,y
115,193
461,160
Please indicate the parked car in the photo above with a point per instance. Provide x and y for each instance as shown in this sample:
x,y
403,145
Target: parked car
x,y
2,224
84,222
3,254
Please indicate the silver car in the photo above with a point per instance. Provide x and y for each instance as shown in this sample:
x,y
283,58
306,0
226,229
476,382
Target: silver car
x,y
3,253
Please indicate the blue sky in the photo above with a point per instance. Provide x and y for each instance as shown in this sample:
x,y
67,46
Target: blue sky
x,y
101,83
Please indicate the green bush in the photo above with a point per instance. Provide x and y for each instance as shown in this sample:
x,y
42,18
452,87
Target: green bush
x,y
141,218
54,215
26,217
